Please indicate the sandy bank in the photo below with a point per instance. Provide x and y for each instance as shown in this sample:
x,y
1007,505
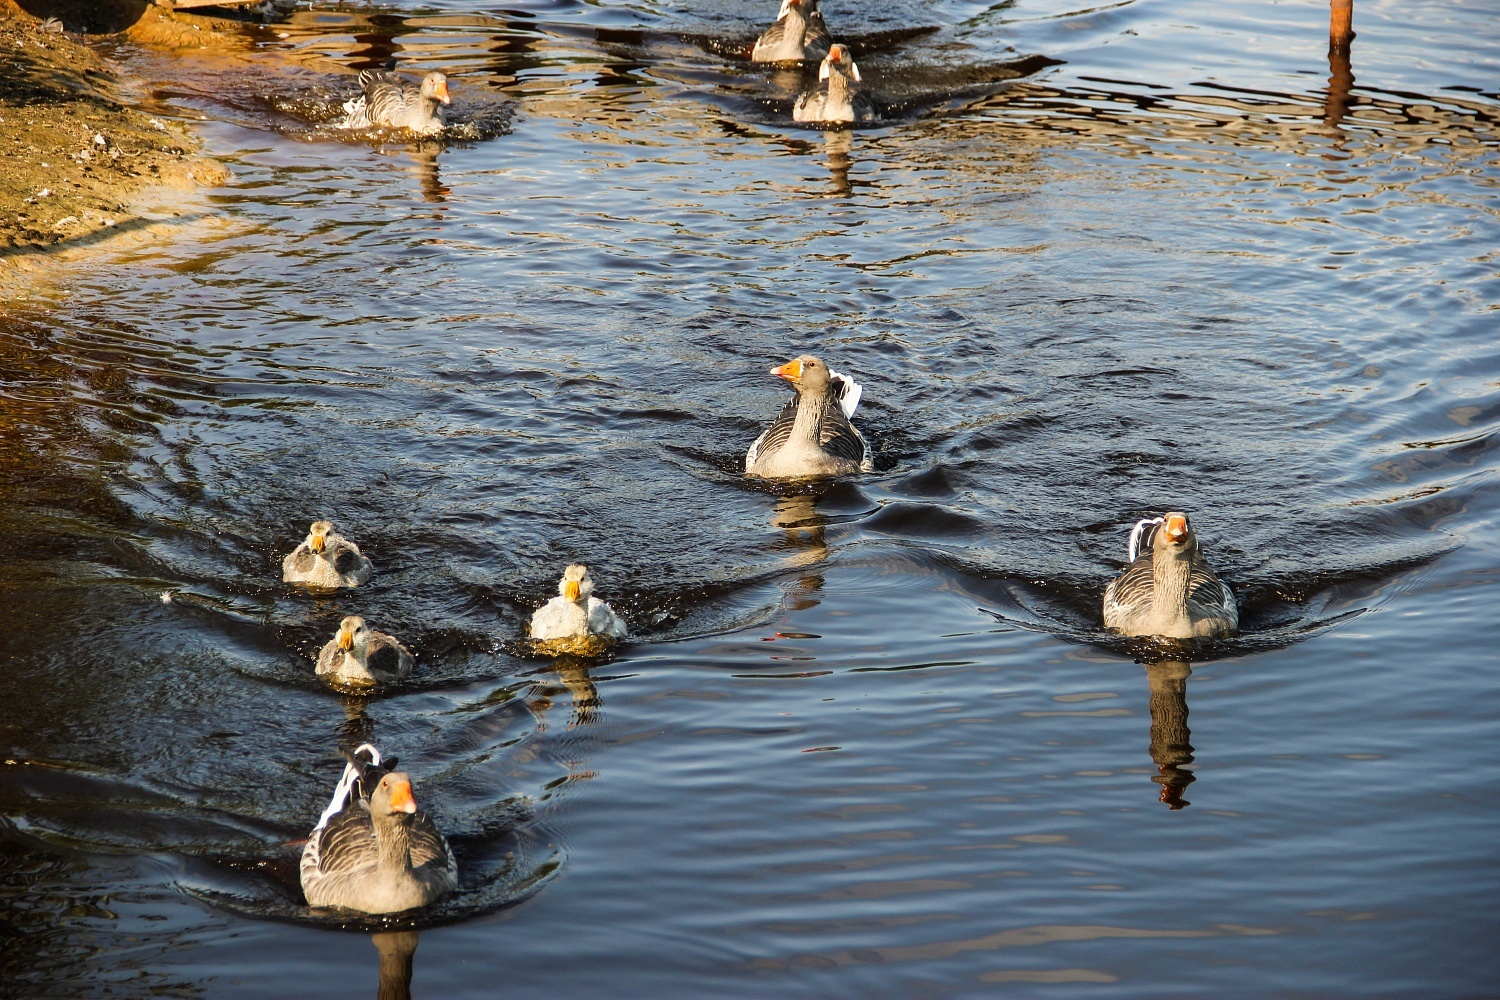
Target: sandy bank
x,y
75,160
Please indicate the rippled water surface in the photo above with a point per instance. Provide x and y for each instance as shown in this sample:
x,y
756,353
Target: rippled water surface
x,y
869,739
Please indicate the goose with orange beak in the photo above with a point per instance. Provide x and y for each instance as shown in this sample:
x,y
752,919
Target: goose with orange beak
x,y
799,34
1169,590
326,559
360,657
838,99
389,101
373,850
575,613
813,435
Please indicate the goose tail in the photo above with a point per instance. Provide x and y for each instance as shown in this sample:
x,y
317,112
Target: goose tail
x,y
364,753
1142,534
849,392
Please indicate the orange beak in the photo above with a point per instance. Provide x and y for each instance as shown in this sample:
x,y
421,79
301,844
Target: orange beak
x,y
1176,528
791,371
570,590
346,639
401,800
442,93
317,543
834,56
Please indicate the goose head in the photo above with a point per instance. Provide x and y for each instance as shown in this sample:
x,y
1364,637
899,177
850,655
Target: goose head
x,y
576,584
392,796
317,535
806,373
354,634
1175,535
838,60
435,87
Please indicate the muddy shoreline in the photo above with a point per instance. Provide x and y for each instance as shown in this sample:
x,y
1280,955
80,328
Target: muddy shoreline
x,y
76,160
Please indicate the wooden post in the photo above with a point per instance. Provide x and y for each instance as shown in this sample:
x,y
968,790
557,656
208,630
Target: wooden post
x,y
1340,26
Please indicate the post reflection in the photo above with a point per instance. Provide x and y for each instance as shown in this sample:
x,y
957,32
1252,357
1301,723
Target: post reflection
x,y
1339,98
1171,745
396,949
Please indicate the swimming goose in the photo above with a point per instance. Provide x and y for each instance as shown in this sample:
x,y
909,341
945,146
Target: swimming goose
x,y
837,97
575,613
388,100
812,436
361,657
326,559
1169,590
798,34
372,850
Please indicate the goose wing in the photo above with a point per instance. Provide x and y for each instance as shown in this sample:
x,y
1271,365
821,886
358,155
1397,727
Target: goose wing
x,y
347,558
1129,593
388,98
842,439
1210,597
430,852
774,437
388,659
301,561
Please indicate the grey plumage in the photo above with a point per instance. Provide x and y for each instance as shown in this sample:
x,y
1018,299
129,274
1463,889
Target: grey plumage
x,y
799,34
387,100
326,559
1169,589
359,656
837,97
372,849
813,434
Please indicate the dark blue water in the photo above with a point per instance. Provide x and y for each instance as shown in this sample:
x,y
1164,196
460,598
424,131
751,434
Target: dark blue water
x,y
869,740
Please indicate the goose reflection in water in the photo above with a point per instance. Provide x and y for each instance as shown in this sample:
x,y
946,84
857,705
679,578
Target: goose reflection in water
x,y
573,671
838,143
1170,739
396,949
805,546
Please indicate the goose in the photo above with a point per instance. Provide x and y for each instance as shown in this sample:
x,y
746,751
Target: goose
x,y
798,34
358,656
812,436
326,559
837,97
575,613
372,850
386,99
1169,590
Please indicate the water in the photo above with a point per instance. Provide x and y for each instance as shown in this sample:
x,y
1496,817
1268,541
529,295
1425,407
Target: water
x,y
1096,263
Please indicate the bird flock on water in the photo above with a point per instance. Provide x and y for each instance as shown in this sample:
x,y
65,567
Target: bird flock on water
x,y
373,850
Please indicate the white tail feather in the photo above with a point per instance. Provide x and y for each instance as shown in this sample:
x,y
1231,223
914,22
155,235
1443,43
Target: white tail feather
x,y
850,395
346,783
1137,532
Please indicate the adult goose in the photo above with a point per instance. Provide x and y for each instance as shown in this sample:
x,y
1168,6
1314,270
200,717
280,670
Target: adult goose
x,y
326,559
386,99
799,34
360,657
372,850
837,98
1169,589
812,436
575,613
